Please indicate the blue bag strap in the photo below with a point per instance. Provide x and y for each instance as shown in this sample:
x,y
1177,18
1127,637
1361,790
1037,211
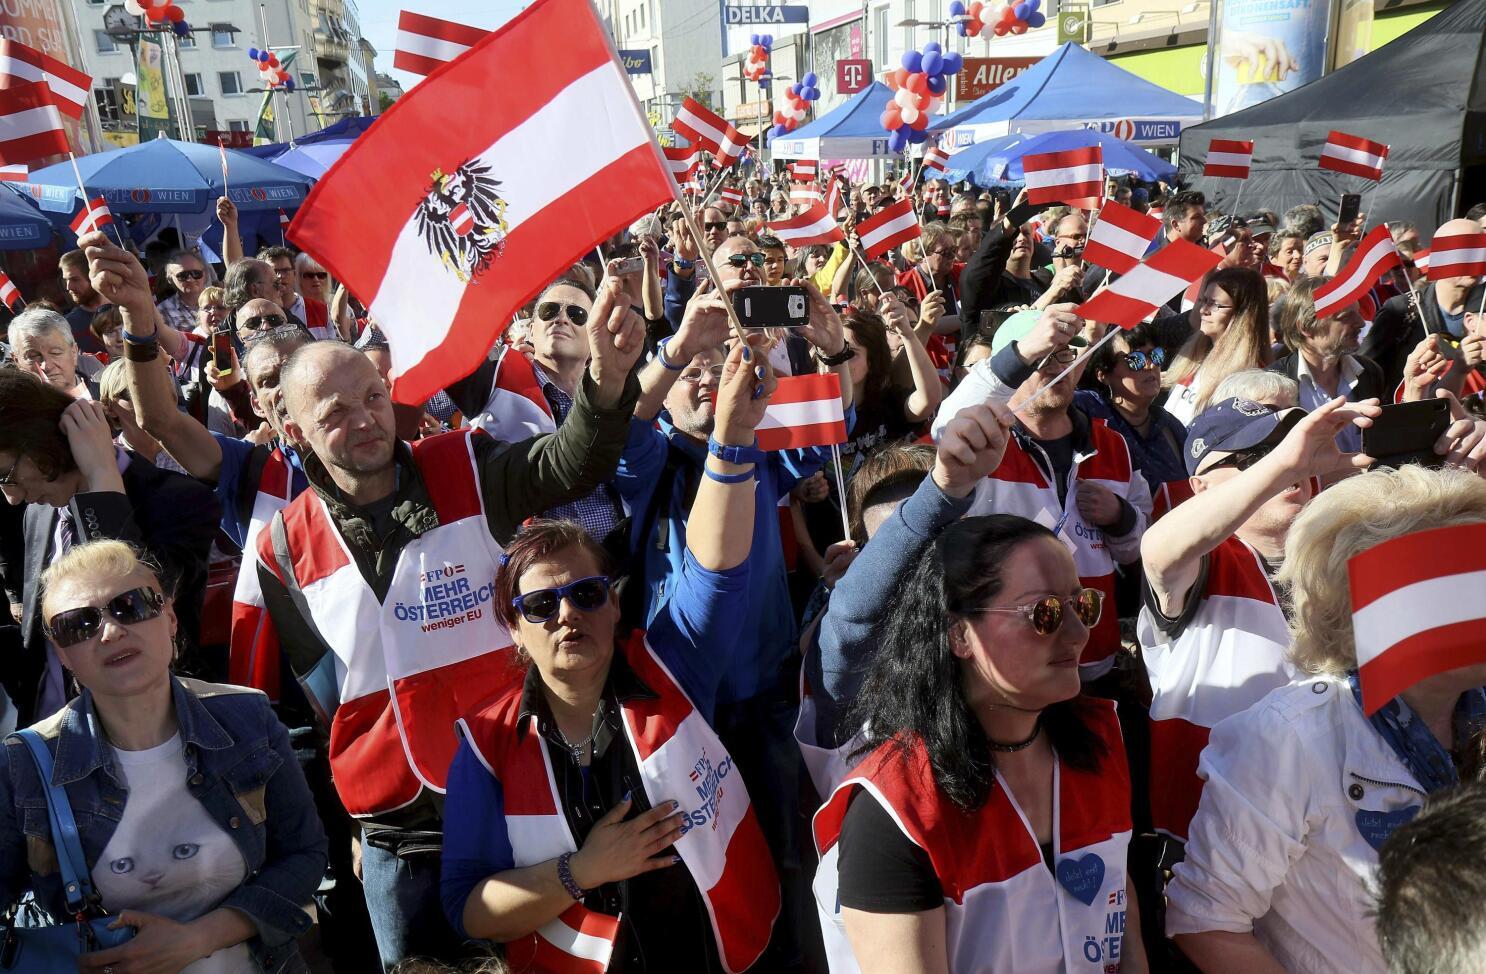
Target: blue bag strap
x,y
77,885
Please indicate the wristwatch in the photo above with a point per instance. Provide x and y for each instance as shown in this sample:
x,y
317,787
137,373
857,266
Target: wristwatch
x,y
682,264
846,354
736,454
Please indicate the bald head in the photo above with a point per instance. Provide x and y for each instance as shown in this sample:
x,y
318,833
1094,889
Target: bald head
x,y
1453,227
338,406
304,375
258,315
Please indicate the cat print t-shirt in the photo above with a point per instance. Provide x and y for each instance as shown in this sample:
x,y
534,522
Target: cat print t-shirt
x,y
167,856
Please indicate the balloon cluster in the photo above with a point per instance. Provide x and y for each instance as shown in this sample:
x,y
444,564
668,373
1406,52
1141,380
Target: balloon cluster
x,y
1015,18
796,104
918,90
269,71
756,68
160,13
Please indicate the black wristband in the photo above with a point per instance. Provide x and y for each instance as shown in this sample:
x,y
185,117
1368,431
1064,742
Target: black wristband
x,y
141,352
846,354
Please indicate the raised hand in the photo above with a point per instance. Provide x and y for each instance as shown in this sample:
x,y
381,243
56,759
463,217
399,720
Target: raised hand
x,y
971,447
616,336
117,274
1056,327
743,393
825,329
91,440
1310,450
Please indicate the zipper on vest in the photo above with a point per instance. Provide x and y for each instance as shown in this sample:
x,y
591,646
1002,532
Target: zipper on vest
x,y
1388,784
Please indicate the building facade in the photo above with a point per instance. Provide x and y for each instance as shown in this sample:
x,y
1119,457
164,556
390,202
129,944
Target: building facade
x,y
672,48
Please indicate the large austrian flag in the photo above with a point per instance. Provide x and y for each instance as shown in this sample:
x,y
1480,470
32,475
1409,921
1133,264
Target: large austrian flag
x,y
1417,609
529,180
1168,272
804,411
1373,258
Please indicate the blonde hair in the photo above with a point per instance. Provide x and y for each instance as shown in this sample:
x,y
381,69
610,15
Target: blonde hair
x,y
1347,519
106,558
113,383
1244,344
212,295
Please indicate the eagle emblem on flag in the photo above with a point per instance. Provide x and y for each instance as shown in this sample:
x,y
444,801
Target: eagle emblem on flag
x,y
463,219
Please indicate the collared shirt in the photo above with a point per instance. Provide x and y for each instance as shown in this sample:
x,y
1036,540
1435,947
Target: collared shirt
x,y
178,314
601,510
1312,396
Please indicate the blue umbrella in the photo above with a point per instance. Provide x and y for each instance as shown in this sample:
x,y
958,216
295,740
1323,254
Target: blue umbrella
x,y
166,176
22,225
342,131
312,160
999,161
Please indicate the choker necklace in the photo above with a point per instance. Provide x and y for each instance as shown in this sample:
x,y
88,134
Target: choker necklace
x,y
1017,745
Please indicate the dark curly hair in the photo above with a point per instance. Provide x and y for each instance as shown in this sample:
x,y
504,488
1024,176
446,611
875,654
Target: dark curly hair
x,y
912,689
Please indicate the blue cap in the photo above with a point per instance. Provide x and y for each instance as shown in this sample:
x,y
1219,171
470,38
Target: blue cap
x,y
1234,425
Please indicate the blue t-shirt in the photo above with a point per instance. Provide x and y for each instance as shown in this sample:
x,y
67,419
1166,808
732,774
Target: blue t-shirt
x,y
237,509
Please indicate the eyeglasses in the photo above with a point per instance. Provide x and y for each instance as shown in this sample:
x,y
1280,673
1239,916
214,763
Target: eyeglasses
x,y
78,625
741,260
1046,614
186,275
7,479
214,309
266,322
317,275
715,225
1138,361
694,376
1244,459
1208,304
548,310
941,252
542,605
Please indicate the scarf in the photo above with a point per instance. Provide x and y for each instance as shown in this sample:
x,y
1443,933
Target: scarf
x,y
1425,757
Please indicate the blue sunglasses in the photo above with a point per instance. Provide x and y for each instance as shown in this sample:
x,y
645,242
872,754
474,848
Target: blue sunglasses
x,y
542,605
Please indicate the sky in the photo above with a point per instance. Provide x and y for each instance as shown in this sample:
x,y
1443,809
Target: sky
x,y
379,22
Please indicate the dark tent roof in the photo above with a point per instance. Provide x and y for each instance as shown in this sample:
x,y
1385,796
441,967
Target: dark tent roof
x,y
1424,95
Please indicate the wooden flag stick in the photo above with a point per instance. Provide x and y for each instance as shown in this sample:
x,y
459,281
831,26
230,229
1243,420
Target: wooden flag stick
x,y
88,202
1018,411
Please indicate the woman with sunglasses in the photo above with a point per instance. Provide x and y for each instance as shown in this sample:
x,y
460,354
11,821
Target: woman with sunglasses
x,y
595,797
194,817
1231,334
986,828
1127,375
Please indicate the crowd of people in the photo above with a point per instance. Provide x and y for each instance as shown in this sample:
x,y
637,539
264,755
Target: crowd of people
x,y
1049,666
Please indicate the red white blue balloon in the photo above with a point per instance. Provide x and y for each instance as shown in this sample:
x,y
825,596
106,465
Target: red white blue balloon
x,y
918,90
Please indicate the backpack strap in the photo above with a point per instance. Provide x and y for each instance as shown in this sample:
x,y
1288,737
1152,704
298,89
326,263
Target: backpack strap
x,y
77,885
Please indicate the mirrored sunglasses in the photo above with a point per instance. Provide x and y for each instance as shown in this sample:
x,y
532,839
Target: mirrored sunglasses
x,y
1046,614
73,626
548,310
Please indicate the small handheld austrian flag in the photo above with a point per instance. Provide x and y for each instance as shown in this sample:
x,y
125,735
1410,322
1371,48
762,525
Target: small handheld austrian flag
x,y
813,226
1417,609
10,295
1456,255
804,171
683,161
804,411
1229,158
1149,285
1354,154
71,89
466,227
1373,257
1120,237
30,124
730,194
284,221
887,228
702,126
95,215
1064,177
425,44
15,174
803,194
936,159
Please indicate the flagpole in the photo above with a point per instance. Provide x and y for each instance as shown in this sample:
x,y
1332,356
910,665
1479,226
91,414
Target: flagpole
x,y
1071,366
88,203
840,489
1237,199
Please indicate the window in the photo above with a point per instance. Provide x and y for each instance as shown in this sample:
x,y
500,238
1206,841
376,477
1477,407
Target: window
x,y
231,82
188,41
306,79
223,36
238,125
879,34
195,85
642,18
104,43
107,100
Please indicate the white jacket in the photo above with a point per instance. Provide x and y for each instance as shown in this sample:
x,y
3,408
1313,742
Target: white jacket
x,y
1301,791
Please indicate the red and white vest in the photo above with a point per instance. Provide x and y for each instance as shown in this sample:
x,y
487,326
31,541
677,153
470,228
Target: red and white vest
x,y
1019,487
517,408
401,670
1229,655
1169,495
1005,912
680,757
253,655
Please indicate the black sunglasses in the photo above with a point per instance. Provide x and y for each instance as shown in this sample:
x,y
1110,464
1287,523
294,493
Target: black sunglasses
x,y
741,260
715,225
73,626
1138,361
549,310
187,275
1244,459
542,604
317,275
262,323
1046,614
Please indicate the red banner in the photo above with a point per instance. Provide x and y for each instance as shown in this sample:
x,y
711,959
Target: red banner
x,y
985,74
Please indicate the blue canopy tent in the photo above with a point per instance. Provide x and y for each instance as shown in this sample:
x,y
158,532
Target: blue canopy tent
x,y
850,131
999,161
344,130
22,225
1072,89
314,159
167,176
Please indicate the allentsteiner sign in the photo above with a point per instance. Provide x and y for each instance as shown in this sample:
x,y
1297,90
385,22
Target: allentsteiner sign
x,y
982,75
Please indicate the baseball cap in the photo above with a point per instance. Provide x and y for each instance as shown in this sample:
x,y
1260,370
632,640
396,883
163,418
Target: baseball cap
x,y
1019,326
1234,425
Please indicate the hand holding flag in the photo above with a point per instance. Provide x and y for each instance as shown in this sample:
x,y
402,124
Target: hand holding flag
x,y
1373,257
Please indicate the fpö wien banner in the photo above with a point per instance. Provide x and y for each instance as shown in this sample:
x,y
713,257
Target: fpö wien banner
x,y
1266,48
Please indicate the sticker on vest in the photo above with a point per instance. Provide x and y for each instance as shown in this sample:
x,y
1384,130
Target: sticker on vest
x,y
446,598
1377,826
1082,877
707,779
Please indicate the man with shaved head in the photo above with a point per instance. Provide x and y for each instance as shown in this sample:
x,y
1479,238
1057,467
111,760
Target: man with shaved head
x,y
378,581
1401,323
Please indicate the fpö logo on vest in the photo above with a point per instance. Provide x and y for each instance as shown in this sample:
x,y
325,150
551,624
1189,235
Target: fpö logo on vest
x,y
446,599
1106,949
707,779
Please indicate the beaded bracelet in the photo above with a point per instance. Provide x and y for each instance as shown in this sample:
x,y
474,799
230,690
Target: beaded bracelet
x,y
565,874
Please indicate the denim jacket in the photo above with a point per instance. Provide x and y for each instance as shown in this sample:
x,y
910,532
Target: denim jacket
x,y
241,769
